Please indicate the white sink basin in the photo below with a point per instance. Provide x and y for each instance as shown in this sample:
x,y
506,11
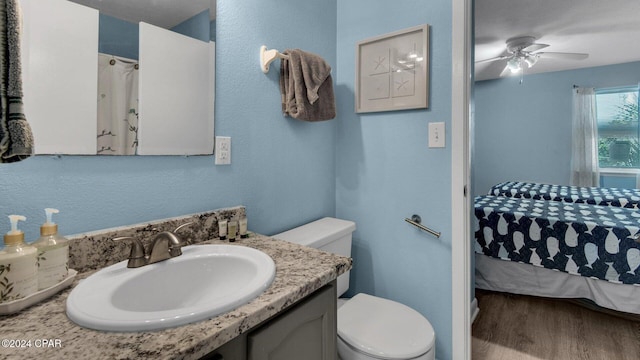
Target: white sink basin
x,y
205,281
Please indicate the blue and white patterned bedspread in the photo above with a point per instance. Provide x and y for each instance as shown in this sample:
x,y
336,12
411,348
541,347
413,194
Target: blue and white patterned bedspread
x,y
627,198
580,239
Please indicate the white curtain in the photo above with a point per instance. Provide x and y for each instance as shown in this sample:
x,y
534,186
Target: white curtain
x,y
117,106
584,144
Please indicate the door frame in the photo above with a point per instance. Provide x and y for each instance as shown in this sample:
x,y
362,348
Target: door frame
x,y
461,81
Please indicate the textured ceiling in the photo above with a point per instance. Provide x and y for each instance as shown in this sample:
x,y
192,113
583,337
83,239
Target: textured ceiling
x,y
608,30
163,13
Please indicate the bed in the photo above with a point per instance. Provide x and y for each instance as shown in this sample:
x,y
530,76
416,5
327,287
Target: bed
x,y
559,249
627,198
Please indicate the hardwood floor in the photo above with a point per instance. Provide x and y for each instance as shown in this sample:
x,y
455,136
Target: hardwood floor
x,y
518,327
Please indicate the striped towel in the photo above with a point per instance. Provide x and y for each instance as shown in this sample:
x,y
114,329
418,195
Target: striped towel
x,y
16,138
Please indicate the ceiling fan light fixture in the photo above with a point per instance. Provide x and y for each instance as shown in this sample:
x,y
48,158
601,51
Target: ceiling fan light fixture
x,y
514,64
531,60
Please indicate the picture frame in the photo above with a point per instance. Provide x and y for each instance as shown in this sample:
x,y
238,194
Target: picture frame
x,y
392,71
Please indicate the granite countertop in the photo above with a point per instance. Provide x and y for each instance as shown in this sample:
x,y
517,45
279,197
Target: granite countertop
x,y
299,272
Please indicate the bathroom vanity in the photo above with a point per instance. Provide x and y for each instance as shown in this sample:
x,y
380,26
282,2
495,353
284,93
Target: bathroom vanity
x,y
308,328
296,313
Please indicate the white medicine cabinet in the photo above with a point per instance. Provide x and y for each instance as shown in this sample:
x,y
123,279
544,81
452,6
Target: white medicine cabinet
x,y
175,86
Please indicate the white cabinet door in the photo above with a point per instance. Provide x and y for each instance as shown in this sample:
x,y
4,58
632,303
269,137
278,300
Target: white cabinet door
x,y
60,75
175,94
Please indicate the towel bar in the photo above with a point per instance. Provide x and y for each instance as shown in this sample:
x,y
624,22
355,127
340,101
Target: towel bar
x,y
268,56
416,220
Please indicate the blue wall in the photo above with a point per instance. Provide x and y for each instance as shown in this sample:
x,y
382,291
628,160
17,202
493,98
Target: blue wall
x,y
198,26
386,172
618,181
523,132
282,169
118,37
375,169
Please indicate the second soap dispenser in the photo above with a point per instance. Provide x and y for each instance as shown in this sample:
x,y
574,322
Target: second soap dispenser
x,y
53,253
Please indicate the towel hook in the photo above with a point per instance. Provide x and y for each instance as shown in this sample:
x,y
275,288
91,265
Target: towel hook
x,y
268,56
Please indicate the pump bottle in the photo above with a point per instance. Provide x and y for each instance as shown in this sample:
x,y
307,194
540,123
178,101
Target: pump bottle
x,y
18,267
53,253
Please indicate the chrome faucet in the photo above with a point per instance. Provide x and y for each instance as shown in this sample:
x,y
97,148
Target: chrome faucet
x,y
164,245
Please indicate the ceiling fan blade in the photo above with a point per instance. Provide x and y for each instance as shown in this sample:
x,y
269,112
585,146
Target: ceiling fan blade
x,y
535,47
505,72
493,59
561,55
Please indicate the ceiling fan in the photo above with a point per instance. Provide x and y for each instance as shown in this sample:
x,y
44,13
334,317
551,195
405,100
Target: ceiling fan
x,y
524,51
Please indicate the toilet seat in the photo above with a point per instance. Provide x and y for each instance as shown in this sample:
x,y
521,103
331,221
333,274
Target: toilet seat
x,y
383,328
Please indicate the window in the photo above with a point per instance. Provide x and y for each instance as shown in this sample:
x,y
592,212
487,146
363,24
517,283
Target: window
x,y
618,129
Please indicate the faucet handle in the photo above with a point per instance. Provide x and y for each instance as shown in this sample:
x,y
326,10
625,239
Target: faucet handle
x,y
137,256
185,241
183,226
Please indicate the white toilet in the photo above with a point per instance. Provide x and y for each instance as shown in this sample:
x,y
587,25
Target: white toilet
x,y
369,327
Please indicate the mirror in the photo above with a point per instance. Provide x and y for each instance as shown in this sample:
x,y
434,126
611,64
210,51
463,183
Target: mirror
x,y
523,122
120,77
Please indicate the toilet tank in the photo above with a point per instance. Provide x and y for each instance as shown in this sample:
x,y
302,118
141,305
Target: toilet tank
x,y
327,234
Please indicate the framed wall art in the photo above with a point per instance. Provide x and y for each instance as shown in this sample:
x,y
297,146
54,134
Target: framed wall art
x,y
392,71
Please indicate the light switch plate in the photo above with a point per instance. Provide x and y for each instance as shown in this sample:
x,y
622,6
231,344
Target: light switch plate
x,y
223,150
436,135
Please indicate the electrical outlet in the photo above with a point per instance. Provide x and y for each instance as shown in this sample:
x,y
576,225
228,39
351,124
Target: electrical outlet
x,y
436,135
223,150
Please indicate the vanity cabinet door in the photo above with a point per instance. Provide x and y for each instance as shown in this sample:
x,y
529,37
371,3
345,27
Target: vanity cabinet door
x,y
235,349
307,331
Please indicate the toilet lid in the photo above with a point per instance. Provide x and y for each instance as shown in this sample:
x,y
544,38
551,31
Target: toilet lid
x,y
383,328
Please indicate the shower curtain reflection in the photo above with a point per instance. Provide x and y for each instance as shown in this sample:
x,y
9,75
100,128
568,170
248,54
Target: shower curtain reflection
x,y
117,105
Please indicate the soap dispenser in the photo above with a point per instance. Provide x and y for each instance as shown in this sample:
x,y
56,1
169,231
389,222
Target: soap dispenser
x,y
18,265
53,253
